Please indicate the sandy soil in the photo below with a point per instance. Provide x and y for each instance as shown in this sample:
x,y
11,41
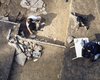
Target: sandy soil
x,y
48,67
50,64
57,17
56,20
83,69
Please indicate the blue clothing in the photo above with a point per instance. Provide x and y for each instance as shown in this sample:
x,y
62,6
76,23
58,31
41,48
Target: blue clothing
x,y
90,50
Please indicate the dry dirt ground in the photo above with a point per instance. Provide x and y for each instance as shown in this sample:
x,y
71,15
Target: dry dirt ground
x,y
48,67
57,20
50,64
85,8
83,69
56,63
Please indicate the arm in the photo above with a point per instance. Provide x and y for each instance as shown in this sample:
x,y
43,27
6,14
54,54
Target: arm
x,y
27,25
29,30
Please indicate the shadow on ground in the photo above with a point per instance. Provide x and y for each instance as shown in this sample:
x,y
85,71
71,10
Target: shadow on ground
x,y
5,66
86,19
48,40
79,69
6,52
49,18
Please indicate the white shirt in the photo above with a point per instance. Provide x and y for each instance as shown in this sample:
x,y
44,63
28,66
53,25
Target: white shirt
x,y
34,18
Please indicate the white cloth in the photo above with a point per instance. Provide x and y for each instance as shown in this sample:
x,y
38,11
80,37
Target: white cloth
x,y
79,43
34,18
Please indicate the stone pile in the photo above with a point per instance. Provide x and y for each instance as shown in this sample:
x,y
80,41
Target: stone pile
x,y
35,6
25,49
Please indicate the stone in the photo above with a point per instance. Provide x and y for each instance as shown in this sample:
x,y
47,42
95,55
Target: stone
x,y
34,5
36,54
70,39
35,60
24,4
37,47
3,18
38,4
33,9
9,34
20,59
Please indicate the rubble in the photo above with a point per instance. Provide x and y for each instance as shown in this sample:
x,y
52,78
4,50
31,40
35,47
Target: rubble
x,y
20,59
3,18
70,39
26,49
34,5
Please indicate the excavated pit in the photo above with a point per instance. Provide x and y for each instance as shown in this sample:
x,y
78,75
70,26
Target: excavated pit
x,y
56,62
